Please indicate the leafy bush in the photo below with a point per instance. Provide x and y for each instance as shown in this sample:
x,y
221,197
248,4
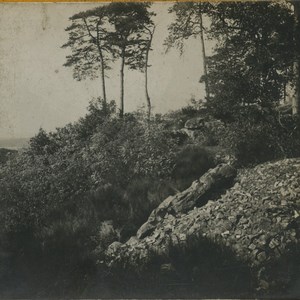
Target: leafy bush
x,y
260,137
98,112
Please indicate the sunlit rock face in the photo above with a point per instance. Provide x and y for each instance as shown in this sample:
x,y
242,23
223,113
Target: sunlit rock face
x,y
256,219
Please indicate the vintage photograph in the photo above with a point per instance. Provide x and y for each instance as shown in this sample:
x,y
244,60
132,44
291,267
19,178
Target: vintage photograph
x,y
150,150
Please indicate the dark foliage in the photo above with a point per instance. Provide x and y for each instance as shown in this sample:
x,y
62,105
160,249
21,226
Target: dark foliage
x,y
253,59
58,195
262,136
6,154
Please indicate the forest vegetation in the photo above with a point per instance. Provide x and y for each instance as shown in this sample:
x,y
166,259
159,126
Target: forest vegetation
x,y
75,190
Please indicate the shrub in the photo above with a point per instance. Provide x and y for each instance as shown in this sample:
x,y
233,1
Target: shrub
x,y
98,112
107,203
38,144
141,197
125,149
258,138
57,253
191,163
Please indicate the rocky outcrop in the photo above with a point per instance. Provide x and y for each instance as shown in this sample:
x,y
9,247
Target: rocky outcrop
x,y
257,220
196,195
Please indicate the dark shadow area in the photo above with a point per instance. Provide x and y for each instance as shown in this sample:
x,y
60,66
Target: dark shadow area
x,y
200,269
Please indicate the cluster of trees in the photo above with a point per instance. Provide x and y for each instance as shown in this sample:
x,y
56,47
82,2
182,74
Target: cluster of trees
x,y
252,76
256,53
255,58
102,35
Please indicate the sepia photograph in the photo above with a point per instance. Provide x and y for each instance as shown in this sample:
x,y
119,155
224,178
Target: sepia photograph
x,y
150,150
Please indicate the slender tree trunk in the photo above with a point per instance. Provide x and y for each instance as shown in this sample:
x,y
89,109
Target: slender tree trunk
x,y
122,82
207,91
296,98
146,77
103,79
98,41
146,88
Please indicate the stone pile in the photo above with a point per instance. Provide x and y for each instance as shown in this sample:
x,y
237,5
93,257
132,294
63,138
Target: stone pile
x,y
257,219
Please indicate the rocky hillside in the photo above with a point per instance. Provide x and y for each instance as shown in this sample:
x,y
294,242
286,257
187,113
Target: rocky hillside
x,y
253,215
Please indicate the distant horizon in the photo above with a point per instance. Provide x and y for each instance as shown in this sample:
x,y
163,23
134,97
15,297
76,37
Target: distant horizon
x,y
14,143
15,138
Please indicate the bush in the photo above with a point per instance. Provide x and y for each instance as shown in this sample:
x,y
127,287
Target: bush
x,y
254,139
98,112
191,163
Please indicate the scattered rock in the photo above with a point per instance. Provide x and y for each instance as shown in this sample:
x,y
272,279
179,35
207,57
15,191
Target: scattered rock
x,y
113,248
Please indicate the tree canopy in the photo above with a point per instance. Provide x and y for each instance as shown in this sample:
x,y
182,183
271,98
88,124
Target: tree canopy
x,y
92,52
254,56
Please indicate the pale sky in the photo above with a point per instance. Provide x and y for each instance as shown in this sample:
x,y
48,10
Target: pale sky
x,y
37,91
